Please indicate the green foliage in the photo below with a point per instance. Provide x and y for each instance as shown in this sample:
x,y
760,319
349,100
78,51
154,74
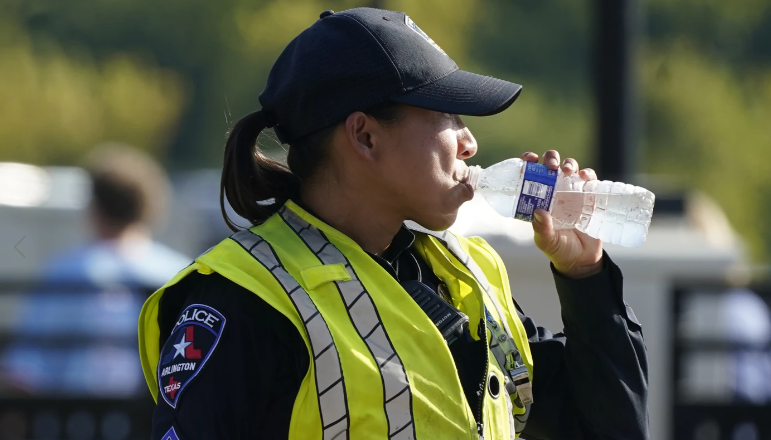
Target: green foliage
x,y
707,88
537,43
712,129
56,105
535,123
171,77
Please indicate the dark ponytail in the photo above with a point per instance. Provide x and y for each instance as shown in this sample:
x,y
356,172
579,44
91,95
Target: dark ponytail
x,y
249,177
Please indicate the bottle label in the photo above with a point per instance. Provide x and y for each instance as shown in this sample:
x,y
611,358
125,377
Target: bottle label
x,y
537,191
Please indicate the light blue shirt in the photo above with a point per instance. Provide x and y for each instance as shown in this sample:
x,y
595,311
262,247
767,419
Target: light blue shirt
x,y
76,332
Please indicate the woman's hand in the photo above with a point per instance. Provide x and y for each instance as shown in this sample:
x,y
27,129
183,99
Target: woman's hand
x,y
573,253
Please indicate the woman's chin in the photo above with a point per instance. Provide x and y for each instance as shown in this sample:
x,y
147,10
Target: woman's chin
x,y
438,221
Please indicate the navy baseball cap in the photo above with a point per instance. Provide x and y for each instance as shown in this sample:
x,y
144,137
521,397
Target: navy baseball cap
x,y
352,60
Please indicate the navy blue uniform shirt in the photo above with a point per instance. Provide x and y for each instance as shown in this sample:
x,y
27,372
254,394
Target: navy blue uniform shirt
x,y
590,381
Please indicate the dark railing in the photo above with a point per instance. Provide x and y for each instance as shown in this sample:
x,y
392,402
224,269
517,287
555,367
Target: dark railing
x,y
41,418
69,366
721,363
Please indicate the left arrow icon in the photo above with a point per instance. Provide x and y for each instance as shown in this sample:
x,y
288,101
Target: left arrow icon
x,y
17,244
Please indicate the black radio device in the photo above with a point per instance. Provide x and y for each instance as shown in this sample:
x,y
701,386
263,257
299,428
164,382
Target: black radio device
x,y
450,321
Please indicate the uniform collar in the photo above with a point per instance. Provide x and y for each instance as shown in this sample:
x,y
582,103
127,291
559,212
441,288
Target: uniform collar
x,y
401,241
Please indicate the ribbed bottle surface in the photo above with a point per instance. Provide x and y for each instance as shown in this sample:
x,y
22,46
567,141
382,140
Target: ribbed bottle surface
x,y
614,212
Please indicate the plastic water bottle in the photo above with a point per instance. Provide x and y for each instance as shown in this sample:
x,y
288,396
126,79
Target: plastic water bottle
x,y
614,212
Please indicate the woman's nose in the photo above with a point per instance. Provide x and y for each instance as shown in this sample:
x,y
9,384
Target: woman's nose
x,y
467,145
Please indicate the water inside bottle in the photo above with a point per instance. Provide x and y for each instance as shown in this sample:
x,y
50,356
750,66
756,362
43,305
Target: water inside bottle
x,y
614,218
614,212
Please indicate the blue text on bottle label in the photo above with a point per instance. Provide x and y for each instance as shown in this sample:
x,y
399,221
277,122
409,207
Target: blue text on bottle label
x,y
537,191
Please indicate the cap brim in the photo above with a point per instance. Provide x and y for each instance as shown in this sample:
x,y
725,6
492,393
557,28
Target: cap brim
x,y
463,93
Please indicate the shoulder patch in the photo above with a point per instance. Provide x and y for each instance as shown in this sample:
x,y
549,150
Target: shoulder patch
x,y
192,341
170,435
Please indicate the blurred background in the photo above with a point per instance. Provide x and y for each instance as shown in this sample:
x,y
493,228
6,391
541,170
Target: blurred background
x,y
113,116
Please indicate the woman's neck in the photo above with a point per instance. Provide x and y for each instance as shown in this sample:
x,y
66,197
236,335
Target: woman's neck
x,y
365,220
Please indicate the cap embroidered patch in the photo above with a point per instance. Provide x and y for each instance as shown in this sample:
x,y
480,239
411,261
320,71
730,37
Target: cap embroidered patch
x,y
408,21
170,435
192,341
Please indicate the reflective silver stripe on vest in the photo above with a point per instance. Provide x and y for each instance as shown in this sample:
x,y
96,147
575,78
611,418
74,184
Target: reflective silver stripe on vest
x,y
366,320
453,245
330,383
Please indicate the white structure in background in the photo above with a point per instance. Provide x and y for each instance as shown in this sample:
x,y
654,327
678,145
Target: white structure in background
x,y
700,246
46,209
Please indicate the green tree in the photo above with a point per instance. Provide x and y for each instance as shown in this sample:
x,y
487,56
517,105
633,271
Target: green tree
x,y
711,128
172,76
56,105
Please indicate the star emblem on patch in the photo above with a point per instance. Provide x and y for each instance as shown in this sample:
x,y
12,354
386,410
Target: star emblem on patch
x,y
191,343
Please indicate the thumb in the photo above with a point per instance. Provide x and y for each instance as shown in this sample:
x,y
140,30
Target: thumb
x,y
542,225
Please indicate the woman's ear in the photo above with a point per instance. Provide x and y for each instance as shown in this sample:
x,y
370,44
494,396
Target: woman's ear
x,y
363,133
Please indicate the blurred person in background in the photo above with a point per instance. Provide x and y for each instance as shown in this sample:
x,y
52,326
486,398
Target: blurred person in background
x,y
130,196
320,320
76,331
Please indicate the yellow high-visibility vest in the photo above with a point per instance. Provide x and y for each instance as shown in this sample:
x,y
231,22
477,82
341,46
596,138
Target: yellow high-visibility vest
x,y
379,368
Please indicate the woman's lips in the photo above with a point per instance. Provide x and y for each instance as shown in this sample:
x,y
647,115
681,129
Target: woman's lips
x,y
463,178
469,187
465,182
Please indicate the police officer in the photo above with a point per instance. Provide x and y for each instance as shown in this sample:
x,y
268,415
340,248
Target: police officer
x,y
340,314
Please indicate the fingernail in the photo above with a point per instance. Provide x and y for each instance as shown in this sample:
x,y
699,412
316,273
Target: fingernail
x,y
567,165
538,216
553,162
